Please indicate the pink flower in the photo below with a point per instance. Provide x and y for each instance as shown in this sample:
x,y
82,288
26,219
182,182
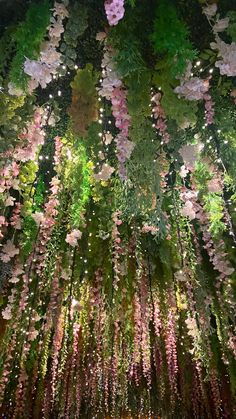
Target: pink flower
x,y
214,185
38,217
149,229
6,313
73,237
193,89
9,201
2,220
183,171
188,210
227,65
114,11
33,334
9,250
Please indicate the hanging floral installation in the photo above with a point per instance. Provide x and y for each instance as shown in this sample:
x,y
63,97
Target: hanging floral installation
x,y
118,209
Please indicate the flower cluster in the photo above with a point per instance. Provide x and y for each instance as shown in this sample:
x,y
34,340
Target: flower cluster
x,y
193,89
190,208
9,251
34,137
114,11
227,65
8,175
105,173
41,71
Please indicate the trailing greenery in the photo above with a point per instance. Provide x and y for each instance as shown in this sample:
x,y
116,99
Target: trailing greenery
x,y
84,106
28,37
75,27
170,38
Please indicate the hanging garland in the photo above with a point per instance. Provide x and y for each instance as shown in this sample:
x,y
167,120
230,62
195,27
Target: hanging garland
x,y
117,211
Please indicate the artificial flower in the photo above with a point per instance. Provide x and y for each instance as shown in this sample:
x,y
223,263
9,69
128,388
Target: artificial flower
x,y
227,65
9,250
105,173
108,138
6,313
210,10
38,217
73,237
9,201
221,25
114,11
193,89
214,185
188,210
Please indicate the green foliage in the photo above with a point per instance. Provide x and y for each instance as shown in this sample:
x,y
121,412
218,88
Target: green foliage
x,y
29,233
28,38
84,106
15,112
129,60
27,179
138,95
8,106
183,112
39,193
77,181
131,2
231,30
213,203
170,38
6,49
75,27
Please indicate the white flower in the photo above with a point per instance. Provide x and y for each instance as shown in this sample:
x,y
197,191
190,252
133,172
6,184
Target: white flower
x,y
38,217
221,25
9,201
188,210
13,90
227,65
108,138
210,10
105,172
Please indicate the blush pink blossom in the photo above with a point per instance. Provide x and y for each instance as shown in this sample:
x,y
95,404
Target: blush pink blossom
x,y
114,11
73,237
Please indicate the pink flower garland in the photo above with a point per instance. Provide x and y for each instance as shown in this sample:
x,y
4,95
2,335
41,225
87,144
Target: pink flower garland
x,y
112,89
114,11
